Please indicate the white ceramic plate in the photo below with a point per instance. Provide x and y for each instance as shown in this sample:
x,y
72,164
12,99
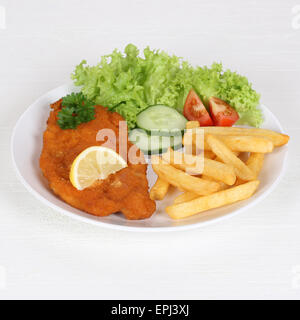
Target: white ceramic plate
x,y
26,146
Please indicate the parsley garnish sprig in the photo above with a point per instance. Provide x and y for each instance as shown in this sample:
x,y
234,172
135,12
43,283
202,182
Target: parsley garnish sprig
x,y
76,109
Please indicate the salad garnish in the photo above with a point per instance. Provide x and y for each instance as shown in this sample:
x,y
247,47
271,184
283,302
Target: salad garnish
x,y
76,109
128,83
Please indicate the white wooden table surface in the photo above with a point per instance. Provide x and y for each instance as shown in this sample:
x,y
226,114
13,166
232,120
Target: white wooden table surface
x,y
46,255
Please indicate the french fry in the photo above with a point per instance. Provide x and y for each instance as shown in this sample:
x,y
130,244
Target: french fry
x,y
206,153
215,200
199,165
255,163
184,197
236,153
181,179
159,189
245,143
278,139
223,185
192,124
215,162
228,157
209,154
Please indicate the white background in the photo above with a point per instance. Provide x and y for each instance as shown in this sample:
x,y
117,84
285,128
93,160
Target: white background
x,y
46,255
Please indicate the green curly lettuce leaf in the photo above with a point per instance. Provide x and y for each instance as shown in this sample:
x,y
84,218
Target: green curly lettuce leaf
x,y
128,83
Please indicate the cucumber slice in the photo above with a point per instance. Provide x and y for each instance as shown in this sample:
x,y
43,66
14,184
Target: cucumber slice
x,y
161,120
153,144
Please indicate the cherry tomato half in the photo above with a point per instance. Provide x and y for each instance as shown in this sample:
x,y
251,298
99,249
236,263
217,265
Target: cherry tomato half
x,y
194,110
222,113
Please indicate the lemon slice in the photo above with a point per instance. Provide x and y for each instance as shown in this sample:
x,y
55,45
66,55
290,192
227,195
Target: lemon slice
x,y
94,163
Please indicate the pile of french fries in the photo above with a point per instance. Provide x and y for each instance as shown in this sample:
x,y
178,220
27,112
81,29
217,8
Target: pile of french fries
x,y
222,177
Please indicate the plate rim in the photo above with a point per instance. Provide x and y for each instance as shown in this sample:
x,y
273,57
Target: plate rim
x,y
87,220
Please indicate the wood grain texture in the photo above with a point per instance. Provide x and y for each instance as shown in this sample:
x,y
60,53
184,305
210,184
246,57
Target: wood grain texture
x,y
47,255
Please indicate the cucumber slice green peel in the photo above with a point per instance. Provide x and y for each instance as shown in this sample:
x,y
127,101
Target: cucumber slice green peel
x,y
161,120
154,144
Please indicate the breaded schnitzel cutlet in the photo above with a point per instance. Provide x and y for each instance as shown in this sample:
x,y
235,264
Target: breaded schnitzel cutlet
x,y
125,191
